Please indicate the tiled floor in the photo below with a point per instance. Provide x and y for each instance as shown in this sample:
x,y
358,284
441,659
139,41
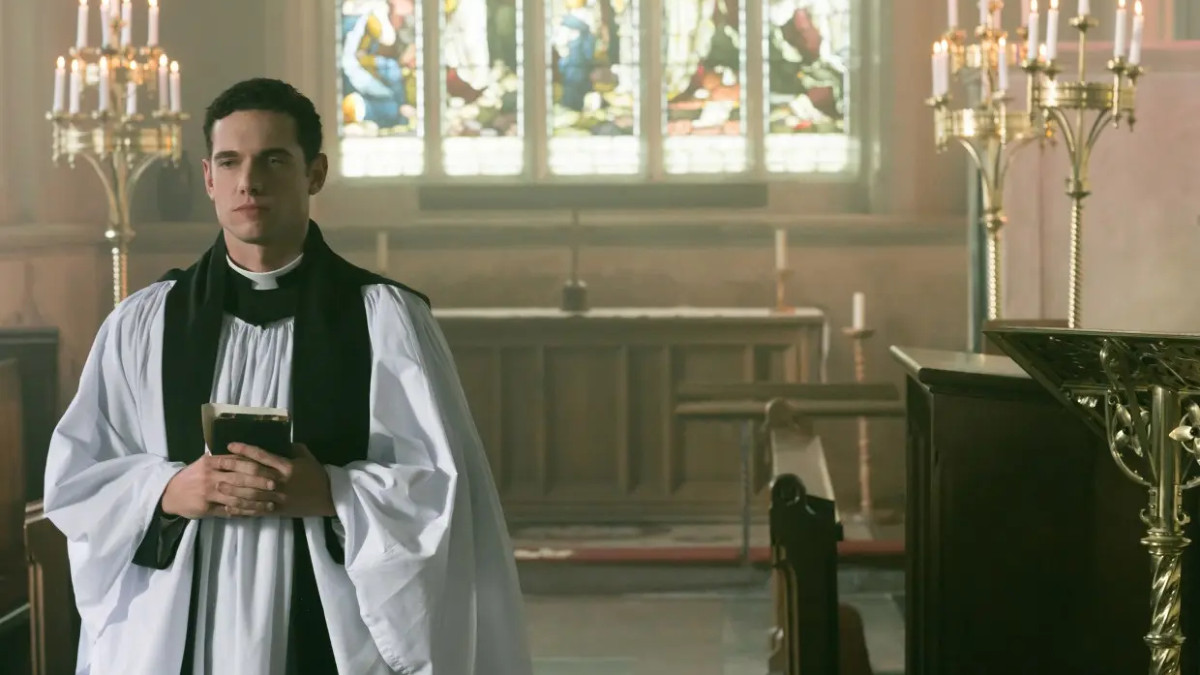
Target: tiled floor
x,y
722,631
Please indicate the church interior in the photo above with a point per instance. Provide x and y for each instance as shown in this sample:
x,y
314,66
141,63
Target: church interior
x,y
804,337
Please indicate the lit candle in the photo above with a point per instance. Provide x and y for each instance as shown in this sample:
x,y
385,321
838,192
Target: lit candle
x,y
60,84
126,23
1122,30
105,24
1085,8
860,311
381,252
152,25
176,99
163,92
104,84
1139,27
1052,31
780,249
131,92
1003,59
952,13
81,27
76,87
1034,25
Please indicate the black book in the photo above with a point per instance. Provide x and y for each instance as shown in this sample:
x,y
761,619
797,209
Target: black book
x,y
267,428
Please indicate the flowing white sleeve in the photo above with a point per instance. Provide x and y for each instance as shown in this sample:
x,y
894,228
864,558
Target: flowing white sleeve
x,y
102,485
395,508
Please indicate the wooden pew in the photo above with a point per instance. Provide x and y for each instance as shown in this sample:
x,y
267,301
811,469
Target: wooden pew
x,y
814,634
54,621
14,608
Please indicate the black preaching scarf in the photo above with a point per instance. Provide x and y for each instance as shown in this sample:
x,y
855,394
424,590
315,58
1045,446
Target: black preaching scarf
x,y
330,411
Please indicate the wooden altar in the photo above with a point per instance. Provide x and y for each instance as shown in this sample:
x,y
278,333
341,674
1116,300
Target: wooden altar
x,y
577,411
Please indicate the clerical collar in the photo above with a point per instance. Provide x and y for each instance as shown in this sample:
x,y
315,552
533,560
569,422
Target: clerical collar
x,y
265,281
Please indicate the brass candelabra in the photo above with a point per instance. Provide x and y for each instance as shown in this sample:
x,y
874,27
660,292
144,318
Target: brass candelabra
x,y
991,127
98,115
1067,105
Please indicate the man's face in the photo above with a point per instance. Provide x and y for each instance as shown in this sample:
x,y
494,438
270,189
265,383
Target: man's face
x,y
258,179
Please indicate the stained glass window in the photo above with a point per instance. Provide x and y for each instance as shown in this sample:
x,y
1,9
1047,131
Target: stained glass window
x,y
702,84
594,86
807,45
482,98
379,62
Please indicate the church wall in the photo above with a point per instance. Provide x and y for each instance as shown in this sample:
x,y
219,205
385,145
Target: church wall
x,y
896,235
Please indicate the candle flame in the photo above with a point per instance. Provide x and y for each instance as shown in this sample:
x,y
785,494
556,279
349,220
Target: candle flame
x,y
174,66
1054,5
1042,52
162,61
1137,7
62,63
74,65
128,2
104,63
83,3
1033,7
1120,4
154,4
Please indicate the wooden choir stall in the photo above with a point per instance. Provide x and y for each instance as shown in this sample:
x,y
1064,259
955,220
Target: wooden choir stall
x,y
1023,538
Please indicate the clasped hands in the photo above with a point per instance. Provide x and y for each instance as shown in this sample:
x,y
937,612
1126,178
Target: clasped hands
x,y
248,483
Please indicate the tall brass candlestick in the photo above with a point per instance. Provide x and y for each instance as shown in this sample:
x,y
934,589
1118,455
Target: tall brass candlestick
x,y
1067,104
866,505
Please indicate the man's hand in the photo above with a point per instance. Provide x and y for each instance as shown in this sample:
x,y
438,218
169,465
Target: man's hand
x,y
304,484
223,485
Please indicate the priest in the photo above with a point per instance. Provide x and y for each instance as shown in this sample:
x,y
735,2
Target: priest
x,y
375,545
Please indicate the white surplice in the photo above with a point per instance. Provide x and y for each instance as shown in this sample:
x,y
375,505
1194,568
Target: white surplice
x,y
429,583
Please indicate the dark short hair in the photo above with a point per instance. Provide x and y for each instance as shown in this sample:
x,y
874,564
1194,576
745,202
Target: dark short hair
x,y
273,96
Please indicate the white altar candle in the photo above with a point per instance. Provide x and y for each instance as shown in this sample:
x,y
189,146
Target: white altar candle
x,y
997,19
1085,8
1003,59
60,84
780,249
126,23
983,12
860,311
76,87
1122,30
1052,31
131,92
102,103
152,25
81,27
163,91
944,69
381,252
936,69
1025,7
952,13
176,98
1139,27
1034,25
105,24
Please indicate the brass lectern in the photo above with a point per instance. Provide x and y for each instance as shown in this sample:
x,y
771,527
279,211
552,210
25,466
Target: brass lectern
x,y
1142,393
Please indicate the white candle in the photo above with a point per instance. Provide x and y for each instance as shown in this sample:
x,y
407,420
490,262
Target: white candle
x,y
1003,59
76,87
176,98
860,311
1052,31
1085,8
131,93
163,92
1122,30
1139,27
944,69
952,13
81,27
997,20
126,23
60,84
381,252
936,61
104,85
1025,7
983,12
105,24
780,249
152,25
1035,23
